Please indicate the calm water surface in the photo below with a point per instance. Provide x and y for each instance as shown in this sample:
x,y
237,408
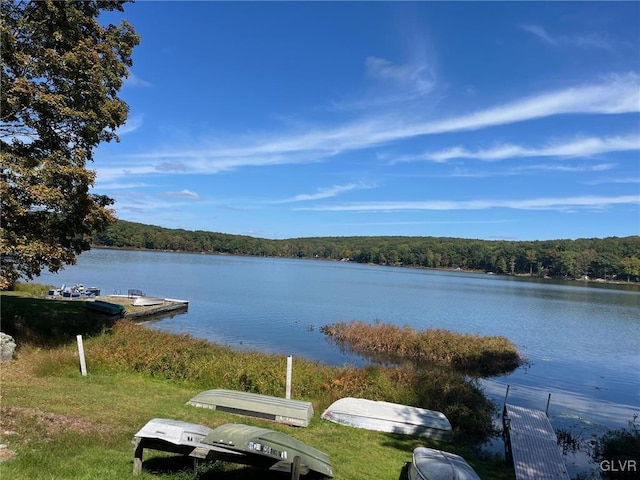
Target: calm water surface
x,y
582,340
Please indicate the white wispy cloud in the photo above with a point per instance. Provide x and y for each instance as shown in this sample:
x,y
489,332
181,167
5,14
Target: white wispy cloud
x,y
175,166
106,175
187,194
139,202
589,40
395,85
614,94
527,169
546,203
540,32
132,124
120,186
134,81
600,167
328,192
582,147
435,222
618,180
417,77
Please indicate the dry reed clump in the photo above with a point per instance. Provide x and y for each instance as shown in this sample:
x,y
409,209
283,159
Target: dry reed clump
x,y
471,354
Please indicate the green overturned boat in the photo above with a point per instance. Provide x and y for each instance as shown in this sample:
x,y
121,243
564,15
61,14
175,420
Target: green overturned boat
x,y
277,409
106,308
271,449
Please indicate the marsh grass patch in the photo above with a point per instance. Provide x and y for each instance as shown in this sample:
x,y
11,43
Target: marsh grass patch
x,y
468,354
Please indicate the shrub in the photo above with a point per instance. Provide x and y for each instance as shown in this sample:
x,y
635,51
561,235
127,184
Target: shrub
x,y
33,289
618,452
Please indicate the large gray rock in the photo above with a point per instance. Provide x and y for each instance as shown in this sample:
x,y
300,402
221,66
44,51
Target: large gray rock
x,y
7,346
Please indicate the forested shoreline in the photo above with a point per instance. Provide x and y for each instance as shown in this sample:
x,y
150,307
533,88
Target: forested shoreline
x,y
611,258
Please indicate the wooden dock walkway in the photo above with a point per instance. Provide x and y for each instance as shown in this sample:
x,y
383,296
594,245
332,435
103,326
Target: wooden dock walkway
x,y
531,444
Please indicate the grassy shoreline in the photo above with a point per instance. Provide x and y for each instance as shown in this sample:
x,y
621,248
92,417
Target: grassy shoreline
x,y
63,425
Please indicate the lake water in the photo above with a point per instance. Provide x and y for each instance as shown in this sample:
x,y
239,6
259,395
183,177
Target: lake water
x,y
582,340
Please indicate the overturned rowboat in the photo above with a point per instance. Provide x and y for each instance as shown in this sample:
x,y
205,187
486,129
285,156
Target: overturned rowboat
x,y
432,464
388,417
106,308
236,443
178,437
274,450
281,410
147,301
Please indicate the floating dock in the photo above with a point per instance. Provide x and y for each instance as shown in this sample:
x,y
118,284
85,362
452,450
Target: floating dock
x,y
158,306
169,305
531,444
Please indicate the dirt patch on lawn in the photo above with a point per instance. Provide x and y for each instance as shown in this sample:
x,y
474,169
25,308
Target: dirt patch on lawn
x,y
23,424
53,423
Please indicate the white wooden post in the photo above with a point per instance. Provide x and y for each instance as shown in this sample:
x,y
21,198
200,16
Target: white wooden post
x,y
83,365
289,365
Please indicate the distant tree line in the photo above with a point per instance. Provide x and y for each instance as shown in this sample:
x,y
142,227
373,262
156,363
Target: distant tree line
x,y
612,258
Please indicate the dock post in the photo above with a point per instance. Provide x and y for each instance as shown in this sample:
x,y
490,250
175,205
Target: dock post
x,y
506,434
546,412
504,408
506,437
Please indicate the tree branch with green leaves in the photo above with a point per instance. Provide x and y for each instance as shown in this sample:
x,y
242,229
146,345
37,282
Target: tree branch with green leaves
x,y
62,71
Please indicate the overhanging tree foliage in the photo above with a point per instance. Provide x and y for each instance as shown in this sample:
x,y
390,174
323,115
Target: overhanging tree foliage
x,y
61,74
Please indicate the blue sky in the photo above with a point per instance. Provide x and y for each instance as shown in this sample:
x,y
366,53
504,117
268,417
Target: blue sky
x,y
505,120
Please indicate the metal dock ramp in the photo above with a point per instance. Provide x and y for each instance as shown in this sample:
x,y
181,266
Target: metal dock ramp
x,y
531,444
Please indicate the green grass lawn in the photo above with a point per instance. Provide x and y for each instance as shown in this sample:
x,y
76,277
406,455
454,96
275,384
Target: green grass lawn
x,y
62,425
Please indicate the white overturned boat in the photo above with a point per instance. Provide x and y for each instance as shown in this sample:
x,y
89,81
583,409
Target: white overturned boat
x,y
178,437
174,432
432,464
281,410
147,301
388,417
